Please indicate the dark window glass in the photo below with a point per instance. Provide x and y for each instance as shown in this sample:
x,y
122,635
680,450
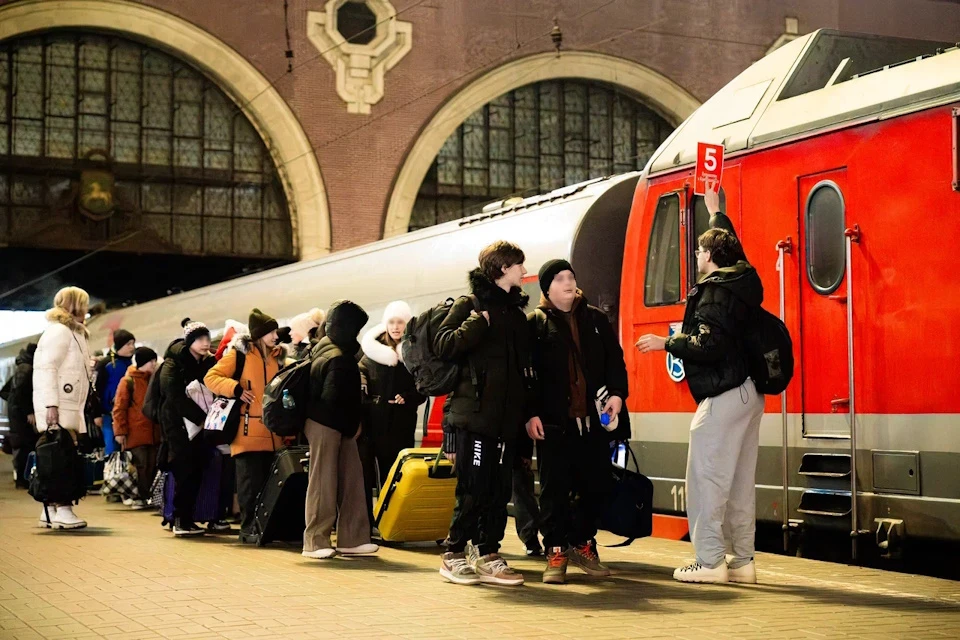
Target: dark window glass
x,y
191,173
356,22
826,247
533,140
662,283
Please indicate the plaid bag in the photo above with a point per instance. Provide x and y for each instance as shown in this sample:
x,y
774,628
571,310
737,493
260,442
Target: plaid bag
x,y
156,491
120,476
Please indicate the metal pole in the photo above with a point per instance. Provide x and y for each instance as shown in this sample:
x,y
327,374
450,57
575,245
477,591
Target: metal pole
x,y
784,247
852,235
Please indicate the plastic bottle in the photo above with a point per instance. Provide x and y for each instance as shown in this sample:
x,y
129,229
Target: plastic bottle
x,y
287,399
604,419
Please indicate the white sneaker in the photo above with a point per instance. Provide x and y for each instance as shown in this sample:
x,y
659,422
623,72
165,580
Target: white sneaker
x,y
747,574
65,518
128,502
363,549
320,554
696,572
44,521
138,505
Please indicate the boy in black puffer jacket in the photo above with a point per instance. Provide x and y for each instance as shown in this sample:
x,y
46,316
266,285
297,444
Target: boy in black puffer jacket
x,y
486,410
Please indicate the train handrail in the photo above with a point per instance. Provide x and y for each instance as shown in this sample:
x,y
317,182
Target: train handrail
x,y
784,247
852,235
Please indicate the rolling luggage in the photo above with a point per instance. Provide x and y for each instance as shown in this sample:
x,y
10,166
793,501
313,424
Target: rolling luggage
x,y
207,508
281,502
417,502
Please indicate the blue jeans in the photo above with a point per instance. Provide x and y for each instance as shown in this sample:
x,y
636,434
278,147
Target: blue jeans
x,y
109,444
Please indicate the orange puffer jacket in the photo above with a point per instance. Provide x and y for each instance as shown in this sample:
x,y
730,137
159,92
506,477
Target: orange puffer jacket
x,y
128,418
257,373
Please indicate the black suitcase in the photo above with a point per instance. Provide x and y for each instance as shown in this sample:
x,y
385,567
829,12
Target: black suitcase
x,y
281,501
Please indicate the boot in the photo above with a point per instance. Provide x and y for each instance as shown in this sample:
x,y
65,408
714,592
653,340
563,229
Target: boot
x,y
65,518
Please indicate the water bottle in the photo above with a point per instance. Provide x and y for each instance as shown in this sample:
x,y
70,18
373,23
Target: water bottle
x,y
288,401
605,419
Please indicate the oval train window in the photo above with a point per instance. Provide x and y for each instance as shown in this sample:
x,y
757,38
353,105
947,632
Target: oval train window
x,y
826,248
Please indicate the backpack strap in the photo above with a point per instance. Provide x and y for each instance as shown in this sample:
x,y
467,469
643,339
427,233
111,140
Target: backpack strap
x,y
241,361
130,387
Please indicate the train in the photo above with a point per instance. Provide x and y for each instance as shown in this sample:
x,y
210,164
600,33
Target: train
x,y
842,179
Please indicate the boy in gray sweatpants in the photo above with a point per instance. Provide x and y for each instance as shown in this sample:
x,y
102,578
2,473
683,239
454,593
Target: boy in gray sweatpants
x,y
725,432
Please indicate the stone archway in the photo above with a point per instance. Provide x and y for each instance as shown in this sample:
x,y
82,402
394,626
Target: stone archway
x,y
276,123
659,93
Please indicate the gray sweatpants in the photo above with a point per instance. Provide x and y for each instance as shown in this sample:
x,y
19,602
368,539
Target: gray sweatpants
x,y
721,475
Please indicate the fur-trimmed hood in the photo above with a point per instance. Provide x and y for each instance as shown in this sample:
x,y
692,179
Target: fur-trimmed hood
x,y
62,316
243,342
377,350
490,295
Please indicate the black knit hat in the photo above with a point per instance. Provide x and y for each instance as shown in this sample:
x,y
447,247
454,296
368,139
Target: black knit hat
x,y
261,324
193,330
283,335
549,271
120,338
143,355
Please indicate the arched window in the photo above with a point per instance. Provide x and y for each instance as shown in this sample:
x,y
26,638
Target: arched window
x,y
113,137
535,139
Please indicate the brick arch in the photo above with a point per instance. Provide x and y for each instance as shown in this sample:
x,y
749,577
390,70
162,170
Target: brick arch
x,y
657,91
276,123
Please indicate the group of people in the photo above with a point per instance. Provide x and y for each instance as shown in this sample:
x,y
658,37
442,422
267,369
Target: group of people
x,y
553,378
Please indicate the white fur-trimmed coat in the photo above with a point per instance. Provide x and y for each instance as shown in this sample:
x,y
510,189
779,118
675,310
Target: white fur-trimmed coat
x,y
61,372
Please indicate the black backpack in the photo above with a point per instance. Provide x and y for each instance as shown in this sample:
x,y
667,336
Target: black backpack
x,y
769,352
432,375
294,381
59,477
153,399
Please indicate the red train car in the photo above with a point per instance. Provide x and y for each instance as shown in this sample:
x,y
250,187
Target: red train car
x,y
841,178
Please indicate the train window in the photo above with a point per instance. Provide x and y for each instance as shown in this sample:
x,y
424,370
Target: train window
x,y
701,223
662,284
826,252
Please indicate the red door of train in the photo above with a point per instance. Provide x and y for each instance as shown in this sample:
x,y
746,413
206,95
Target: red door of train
x,y
823,219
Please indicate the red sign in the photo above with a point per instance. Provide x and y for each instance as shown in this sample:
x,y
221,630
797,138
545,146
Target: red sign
x,y
709,168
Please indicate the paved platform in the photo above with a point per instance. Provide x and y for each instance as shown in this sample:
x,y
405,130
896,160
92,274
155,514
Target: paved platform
x,y
124,577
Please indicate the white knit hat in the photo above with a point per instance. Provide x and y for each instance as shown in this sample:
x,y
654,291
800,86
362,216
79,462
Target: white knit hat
x,y
397,309
302,324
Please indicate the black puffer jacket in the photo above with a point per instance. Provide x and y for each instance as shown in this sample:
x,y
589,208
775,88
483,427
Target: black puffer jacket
x,y
498,354
385,377
335,399
600,357
20,403
711,344
180,368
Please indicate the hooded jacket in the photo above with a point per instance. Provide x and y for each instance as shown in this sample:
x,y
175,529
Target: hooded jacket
x,y
180,368
335,397
497,354
61,371
128,418
20,402
711,346
258,371
599,359
384,377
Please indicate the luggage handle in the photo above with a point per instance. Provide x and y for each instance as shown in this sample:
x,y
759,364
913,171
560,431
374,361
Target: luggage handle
x,y
434,470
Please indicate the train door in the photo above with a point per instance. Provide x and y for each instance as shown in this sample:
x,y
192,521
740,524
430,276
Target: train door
x,y
823,304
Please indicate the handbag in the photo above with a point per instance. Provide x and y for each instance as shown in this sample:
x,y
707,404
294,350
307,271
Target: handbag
x,y
223,417
630,510
120,476
156,491
57,476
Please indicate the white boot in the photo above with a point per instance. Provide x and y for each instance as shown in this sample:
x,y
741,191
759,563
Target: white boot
x,y
65,518
44,521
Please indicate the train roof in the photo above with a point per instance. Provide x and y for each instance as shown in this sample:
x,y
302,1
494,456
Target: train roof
x,y
823,80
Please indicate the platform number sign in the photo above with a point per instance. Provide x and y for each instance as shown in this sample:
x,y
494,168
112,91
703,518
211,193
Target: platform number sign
x,y
709,168
674,364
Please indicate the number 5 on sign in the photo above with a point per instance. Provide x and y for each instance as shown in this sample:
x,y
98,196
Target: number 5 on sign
x,y
709,168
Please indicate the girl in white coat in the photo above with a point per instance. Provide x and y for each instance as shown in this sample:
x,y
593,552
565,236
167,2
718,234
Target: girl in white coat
x,y
61,380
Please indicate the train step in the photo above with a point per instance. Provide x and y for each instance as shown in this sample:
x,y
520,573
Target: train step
x,y
822,502
825,465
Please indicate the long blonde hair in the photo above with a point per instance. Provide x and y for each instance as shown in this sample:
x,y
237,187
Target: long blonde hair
x,y
73,300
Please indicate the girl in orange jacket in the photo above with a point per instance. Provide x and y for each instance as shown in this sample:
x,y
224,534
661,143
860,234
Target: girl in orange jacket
x,y
254,445
134,431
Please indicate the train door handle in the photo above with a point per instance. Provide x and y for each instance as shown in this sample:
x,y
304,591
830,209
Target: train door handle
x,y
838,297
837,403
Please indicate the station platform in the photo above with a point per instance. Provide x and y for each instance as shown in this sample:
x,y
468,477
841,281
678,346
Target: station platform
x,y
125,577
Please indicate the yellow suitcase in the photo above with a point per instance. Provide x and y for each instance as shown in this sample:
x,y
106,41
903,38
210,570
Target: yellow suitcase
x,y
417,502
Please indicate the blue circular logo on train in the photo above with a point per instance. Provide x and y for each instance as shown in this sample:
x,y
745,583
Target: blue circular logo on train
x,y
674,364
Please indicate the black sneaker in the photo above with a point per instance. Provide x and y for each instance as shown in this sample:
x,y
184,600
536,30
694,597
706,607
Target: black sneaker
x,y
534,550
186,529
220,526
